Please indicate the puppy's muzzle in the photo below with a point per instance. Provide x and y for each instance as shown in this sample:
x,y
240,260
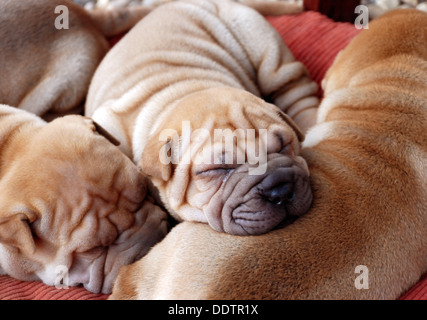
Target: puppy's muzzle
x,y
269,201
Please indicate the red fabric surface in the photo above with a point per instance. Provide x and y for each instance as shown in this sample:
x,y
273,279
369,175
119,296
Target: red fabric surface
x,y
315,40
417,292
11,289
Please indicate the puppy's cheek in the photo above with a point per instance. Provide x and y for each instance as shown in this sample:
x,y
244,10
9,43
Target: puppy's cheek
x,y
149,228
88,269
302,164
201,191
208,195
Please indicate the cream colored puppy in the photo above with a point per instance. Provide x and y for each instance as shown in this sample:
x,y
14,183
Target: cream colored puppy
x,y
50,49
366,235
73,208
186,80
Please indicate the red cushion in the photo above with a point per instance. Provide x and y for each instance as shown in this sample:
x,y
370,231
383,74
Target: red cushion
x,y
417,292
11,289
315,40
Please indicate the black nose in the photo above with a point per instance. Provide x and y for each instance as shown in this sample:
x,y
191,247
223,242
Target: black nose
x,y
280,194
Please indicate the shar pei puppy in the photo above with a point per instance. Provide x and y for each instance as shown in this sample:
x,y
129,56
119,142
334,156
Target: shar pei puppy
x,y
182,93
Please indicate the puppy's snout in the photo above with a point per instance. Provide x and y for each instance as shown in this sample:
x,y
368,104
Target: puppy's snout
x,y
275,199
278,188
280,194
287,188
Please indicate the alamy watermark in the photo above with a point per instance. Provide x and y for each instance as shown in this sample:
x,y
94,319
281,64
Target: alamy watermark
x,y
362,280
62,21
228,147
362,21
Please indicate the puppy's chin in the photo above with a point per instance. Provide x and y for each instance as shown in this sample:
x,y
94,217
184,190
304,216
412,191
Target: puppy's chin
x,y
254,205
247,221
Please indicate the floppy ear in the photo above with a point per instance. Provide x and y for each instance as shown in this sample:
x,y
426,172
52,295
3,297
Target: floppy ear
x,y
15,231
156,159
292,124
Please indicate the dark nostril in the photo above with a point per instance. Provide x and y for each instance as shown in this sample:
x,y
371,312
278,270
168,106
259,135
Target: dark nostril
x,y
276,201
280,194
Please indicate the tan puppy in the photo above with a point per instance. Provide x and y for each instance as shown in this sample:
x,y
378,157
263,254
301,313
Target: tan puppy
x,y
73,208
366,236
189,70
48,69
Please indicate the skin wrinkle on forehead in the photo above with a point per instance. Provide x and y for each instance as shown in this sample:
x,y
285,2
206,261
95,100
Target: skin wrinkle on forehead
x,y
97,197
93,206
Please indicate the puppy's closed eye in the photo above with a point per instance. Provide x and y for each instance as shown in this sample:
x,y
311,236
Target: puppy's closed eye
x,y
219,170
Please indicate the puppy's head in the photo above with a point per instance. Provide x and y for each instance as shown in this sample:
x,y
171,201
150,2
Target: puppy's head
x,y
226,157
73,208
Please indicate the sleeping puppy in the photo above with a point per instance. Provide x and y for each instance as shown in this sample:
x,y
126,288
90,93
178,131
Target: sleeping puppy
x,y
365,236
46,69
70,199
181,93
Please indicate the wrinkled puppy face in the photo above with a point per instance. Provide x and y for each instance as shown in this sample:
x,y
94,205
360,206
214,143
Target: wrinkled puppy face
x,y
74,209
233,163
